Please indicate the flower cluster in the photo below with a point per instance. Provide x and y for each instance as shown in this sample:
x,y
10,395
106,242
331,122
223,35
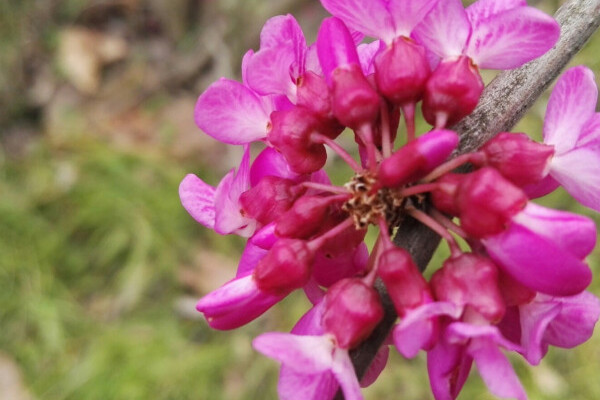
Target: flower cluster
x,y
521,284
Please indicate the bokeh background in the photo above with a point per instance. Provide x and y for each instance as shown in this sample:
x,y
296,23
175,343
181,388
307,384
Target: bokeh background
x,y
100,266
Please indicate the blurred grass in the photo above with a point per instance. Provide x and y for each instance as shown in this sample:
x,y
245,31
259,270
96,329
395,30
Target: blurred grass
x,y
91,237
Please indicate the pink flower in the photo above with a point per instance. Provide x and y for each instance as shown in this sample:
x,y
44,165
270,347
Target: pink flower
x,y
495,34
573,127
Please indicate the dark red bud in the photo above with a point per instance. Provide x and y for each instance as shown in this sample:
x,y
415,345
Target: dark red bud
x,y
352,310
313,94
443,198
470,280
405,284
402,71
453,89
513,292
269,199
286,267
291,135
304,219
518,158
417,158
355,102
487,201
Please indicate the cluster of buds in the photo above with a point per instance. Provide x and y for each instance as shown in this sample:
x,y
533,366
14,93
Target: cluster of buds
x,y
521,284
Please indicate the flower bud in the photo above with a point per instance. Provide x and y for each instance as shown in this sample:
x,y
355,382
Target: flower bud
x,y
470,280
518,158
269,199
291,135
402,71
453,90
355,102
285,267
417,158
305,217
405,284
352,310
443,198
487,202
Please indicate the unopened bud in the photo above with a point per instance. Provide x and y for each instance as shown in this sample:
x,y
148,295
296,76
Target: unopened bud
x,y
291,135
305,217
355,102
286,267
269,199
417,158
487,202
402,71
405,284
443,197
470,280
518,158
453,90
352,310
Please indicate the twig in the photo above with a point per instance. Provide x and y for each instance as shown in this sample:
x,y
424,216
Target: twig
x,y
503,103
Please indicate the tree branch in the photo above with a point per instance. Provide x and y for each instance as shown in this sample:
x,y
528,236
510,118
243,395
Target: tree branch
x,y
503,103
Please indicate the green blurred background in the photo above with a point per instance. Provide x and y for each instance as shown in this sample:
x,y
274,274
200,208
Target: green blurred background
x,y
100,266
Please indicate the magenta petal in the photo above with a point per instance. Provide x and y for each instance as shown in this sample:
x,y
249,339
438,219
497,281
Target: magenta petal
x,y
294,385
578,171
231,113
335,46
305,354
327,270
250,257
511,38
537,262
481,10
495,370
448,367
571,105
535,318
270,162
343,370
407,14
463,333
269,72
198,198
235,304
445,30
376,367
310,323
283,32
370,17
590,134
366,55
228,218
573,233
416,330
575,322
542,188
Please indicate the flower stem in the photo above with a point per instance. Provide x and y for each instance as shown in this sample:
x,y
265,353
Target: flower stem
x,y
340,151
386,138
447,167
408,110
316,243
417,189
325,188
438,228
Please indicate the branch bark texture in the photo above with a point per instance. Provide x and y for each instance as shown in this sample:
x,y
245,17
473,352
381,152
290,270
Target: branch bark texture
x,y
503,103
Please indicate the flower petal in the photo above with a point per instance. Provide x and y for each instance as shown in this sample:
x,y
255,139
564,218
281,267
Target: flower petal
x,y
511,38
535,318
283,32
445,30
269,72
578,171
448,367
536,262
495,370
575,322
234,304
231,113
572,103
344,372
294,385
228,218
574,233
481,10
250,257
407,14
376,367
370,17
270,162
305,354
198,198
